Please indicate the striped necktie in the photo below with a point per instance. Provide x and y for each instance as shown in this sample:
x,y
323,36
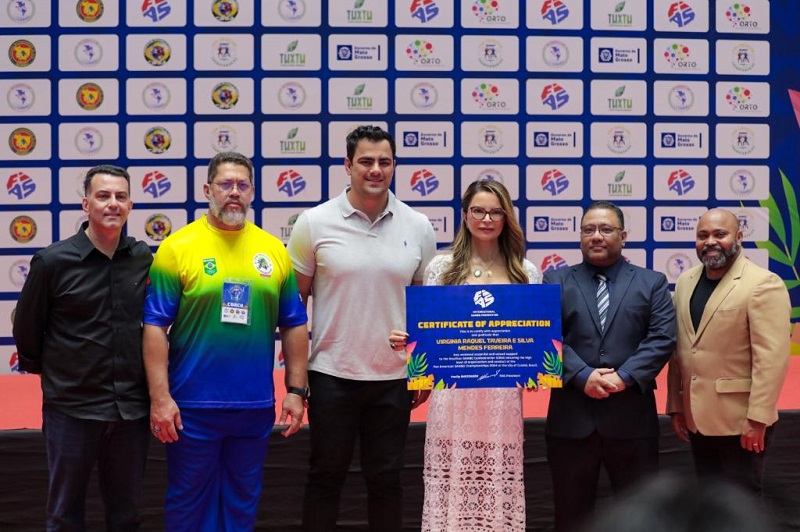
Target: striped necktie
x,y
602,299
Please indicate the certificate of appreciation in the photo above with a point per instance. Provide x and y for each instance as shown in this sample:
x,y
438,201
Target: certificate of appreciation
x,y
484,336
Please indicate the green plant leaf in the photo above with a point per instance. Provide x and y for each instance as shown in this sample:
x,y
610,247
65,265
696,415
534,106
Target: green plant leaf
x,y
359,89
292,133
775,219
619,7
417,365
795,312
552,364
440,385
531,384
358,4
794,216
775,253
791,284
620,91
292,46
619,177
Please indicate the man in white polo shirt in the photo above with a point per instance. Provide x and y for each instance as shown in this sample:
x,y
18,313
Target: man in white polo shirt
x,y
356,253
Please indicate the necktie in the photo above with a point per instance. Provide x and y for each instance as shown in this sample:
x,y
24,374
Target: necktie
x,y
602,299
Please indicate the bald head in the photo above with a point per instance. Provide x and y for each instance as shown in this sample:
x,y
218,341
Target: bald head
x,y
718,241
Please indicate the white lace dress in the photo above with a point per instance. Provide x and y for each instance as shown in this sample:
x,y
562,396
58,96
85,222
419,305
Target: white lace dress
x,y
473,451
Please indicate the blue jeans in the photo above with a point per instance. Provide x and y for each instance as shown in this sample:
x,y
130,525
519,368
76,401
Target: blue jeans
x,y
339,411
74,446
215,469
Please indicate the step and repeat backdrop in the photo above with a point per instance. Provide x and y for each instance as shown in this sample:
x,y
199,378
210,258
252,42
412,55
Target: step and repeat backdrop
x,y
666,107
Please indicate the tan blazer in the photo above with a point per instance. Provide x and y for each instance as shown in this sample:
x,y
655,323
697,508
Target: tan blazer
x,y
734,365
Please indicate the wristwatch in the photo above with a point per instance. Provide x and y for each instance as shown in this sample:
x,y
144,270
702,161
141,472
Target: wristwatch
x,y
302,392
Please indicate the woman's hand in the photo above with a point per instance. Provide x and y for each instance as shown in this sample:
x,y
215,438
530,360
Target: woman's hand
x,y
398,340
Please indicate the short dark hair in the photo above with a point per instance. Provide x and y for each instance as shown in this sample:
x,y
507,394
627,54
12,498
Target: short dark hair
x,y
607,205
109,169
229,157
373,133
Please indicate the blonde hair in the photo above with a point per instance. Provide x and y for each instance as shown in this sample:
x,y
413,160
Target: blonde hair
x,y
511,239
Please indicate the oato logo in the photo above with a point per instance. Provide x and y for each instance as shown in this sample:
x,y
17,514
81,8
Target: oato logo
x,y
20,97
225,95
156,96
88,140
677,264
88,52
157,140
157,52
21,11
291,10
483,298
424,95
158,227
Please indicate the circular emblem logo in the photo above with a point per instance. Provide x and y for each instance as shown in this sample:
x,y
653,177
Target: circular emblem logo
x,y
263,264
157,140
424,95
490,139
20,97
224,52
88,52
490,53
158,227
88,140
681,98
225,10
291,95
155,96
89,10
291,10
23,229
225,95
746,224
22,141
619,139
89,96
743,140
555,54
677,264
20,11
18,272
157,52
224,139
742,182
743,57
22,52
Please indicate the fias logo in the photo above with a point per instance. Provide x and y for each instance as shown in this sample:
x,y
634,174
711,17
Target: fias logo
x,y
681,14
424,182
156,184
554,96
156,10
291,183
424,10
554,181
553,262
20,185
680,181
554,11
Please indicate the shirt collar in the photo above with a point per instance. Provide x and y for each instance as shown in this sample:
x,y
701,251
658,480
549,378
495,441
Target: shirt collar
x,y
85,246
348,210
610,272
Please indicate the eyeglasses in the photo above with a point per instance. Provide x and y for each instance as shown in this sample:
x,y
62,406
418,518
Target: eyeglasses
x,y
228,186
605,230
479,214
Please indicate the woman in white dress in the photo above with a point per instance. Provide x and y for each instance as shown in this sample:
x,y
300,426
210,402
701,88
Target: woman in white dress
x,y
473,442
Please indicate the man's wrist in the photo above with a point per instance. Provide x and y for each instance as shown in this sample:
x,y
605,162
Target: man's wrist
x,y
295,390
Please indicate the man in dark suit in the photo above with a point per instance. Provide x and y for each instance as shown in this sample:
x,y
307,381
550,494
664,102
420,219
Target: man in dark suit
x,y
619,331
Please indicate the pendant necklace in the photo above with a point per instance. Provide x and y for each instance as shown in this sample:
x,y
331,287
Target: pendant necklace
x,y
478,271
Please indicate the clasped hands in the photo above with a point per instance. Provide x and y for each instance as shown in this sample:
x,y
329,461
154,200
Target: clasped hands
x,y
603,382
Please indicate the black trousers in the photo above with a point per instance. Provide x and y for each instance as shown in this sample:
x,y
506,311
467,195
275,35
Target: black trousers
x,y
339,411
723,457
575,468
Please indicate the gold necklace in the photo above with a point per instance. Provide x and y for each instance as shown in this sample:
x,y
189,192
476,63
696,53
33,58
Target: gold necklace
x,y
478,271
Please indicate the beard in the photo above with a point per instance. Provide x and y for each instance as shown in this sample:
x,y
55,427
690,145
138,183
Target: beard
x,y
719,261
225,215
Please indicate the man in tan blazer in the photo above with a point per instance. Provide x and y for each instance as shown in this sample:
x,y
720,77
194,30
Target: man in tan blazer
x,y
732,354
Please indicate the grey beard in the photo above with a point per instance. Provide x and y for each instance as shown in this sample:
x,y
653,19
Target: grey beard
x,y
722,260
232,219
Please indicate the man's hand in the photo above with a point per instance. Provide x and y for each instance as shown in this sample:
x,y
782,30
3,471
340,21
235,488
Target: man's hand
x,y
165,419
293,406
753,436
419,397
616,380
678,421
597,387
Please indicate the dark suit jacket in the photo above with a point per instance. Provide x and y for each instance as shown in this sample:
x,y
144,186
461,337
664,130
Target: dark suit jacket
x,y
638,340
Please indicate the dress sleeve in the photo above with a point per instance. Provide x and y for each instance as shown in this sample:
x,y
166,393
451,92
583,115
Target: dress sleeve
x,y
534,277
435,269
